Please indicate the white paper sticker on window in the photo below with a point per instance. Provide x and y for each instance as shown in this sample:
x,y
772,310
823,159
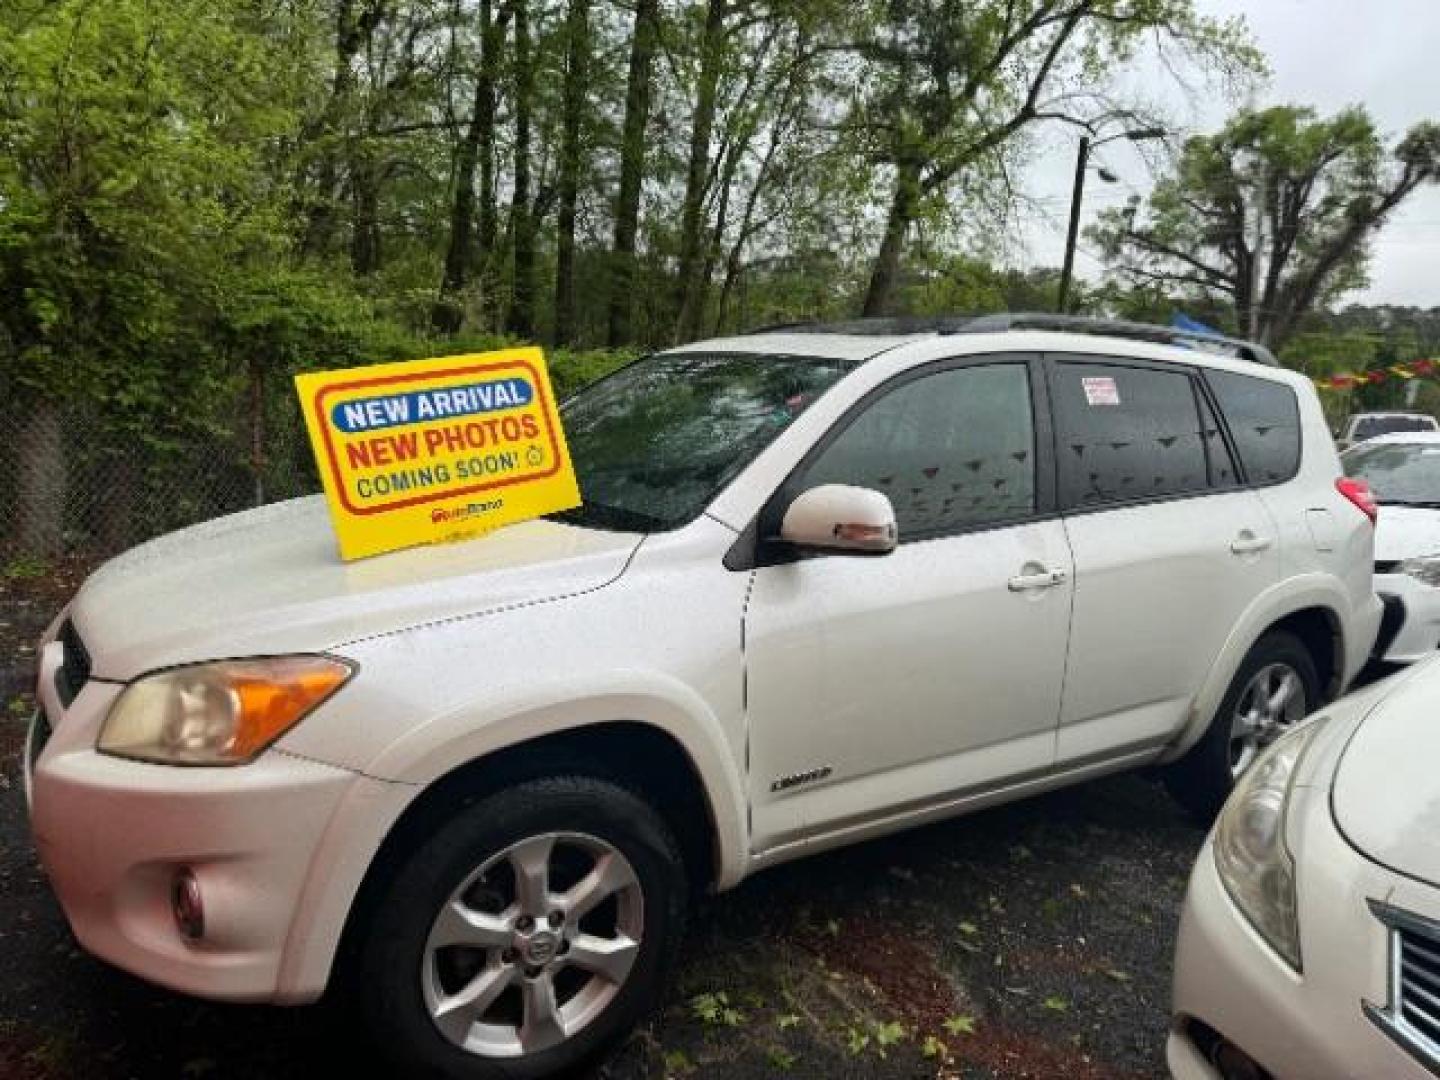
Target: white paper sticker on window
x,y
1100,390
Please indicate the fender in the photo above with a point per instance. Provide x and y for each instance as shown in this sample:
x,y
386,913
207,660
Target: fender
x,y
1275,603
403,771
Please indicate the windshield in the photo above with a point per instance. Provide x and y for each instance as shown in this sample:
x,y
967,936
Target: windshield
x,y
1398,473
655,442
1367,427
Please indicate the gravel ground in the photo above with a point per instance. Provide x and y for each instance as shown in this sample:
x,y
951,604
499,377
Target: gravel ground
x,y
1028,941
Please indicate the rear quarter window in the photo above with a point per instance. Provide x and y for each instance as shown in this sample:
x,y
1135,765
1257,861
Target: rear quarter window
x,y
1264,419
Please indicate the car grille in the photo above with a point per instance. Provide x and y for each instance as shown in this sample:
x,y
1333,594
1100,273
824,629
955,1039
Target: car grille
x,y
74,671
1412,1015
1420,983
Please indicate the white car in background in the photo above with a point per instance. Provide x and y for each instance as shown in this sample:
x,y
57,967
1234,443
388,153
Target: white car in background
x,y
1403,472
1362,427
1309,944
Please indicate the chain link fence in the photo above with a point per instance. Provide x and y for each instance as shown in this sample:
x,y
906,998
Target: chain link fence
x,y
70,483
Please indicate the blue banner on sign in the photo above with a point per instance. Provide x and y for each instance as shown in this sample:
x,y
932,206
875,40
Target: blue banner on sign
x,y
394,410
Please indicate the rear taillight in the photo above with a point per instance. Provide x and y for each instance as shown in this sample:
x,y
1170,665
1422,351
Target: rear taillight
x,y
1359,493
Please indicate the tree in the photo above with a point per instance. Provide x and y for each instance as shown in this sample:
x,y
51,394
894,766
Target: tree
x,y
477,148
644,38
1273,214
577,48
132,185
949,84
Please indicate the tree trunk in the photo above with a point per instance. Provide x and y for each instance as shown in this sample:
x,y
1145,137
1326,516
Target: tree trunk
x,y
577,34
486,94
632,168
886,270
320,224
459,254
365,214
691,299
521,318
42,481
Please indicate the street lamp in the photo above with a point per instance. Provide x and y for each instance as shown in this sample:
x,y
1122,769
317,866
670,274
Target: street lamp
x,y
1082,162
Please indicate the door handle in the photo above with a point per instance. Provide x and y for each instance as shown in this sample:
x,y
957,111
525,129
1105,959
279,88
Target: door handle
x,y
1044,579
1247,543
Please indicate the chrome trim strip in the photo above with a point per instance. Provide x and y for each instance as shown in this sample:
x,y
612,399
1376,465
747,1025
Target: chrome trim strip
x,y
1391,1019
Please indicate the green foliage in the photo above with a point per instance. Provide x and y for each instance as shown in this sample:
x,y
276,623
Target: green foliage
x,y
715,1010
960,1025
25,567
781,1059
1312,190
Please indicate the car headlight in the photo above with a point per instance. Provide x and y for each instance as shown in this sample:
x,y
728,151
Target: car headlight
x,y
1426,569
1250,850
221,713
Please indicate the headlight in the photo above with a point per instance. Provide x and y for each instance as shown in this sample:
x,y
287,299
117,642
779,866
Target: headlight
x,y
1250,851
222,713
1426,569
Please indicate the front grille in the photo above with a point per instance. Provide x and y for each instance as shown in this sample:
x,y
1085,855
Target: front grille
x,y
74,670
1420,983
1412,1015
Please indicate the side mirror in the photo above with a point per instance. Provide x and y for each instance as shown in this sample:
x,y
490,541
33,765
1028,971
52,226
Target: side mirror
x,y
838,517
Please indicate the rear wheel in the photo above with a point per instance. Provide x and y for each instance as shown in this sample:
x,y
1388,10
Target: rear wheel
x,y
527,936
1276,687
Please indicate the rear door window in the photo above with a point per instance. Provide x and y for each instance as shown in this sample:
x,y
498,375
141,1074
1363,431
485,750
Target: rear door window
x,y
1264,418
1126,434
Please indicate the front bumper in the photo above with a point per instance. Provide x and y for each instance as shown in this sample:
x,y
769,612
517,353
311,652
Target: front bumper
x,y
1229,983
1419,632
113,834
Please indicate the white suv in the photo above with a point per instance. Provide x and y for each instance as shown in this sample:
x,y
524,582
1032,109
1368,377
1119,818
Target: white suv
x,y
825,584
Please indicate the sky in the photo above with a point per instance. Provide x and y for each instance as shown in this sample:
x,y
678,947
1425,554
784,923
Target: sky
x,y
1384,54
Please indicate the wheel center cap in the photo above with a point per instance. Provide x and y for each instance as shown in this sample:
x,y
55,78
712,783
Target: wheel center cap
x,y
541,947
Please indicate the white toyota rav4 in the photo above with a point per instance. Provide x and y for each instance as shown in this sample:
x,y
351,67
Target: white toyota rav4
x,y
825,584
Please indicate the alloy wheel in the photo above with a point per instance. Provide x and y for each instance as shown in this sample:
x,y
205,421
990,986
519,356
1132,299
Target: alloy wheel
x,y
534,945
1272,702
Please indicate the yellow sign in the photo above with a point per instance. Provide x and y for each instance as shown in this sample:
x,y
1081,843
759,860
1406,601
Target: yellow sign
x,y
436,450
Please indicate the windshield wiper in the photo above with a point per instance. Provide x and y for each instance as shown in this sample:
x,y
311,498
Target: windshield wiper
x,y
600,516
1423,504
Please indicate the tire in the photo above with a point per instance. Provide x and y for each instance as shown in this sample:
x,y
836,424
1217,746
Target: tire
x,y
1202,780
583,831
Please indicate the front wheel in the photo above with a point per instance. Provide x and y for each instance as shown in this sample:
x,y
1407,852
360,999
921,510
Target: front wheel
x,y
1276,687
527,936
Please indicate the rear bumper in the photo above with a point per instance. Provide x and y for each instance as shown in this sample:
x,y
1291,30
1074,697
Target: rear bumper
x,y
1417,633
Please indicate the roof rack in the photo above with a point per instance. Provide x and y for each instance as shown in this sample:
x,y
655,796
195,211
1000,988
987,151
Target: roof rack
x,y
1032,320
1122,328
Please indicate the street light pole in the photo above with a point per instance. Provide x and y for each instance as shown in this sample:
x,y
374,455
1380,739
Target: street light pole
x,y
1082,161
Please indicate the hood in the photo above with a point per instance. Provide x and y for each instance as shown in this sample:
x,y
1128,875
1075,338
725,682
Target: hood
x,y
271,581
1406,532
1386,794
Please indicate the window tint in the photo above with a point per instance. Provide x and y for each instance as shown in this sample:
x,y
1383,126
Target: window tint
x,y
1370,426
950,450
1264,419
1126,433
1217,454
